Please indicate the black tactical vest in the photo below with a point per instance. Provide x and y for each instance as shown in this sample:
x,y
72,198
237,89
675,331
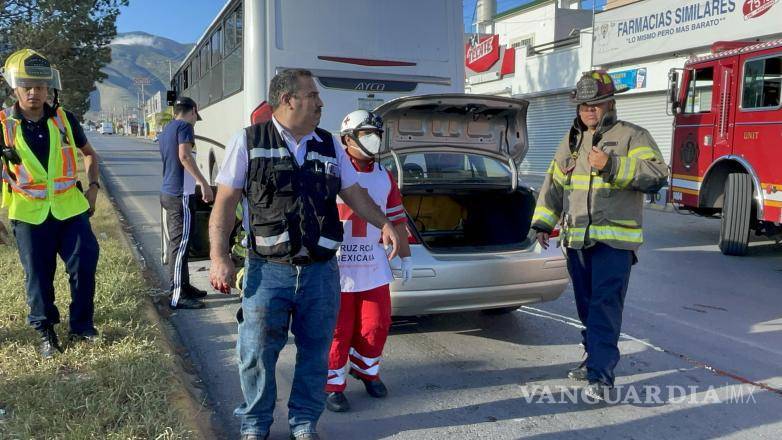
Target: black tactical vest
x,y
290,205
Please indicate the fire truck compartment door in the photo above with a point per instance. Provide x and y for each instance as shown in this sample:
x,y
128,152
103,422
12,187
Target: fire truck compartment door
x,y
726,105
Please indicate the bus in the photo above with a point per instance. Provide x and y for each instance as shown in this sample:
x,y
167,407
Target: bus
x,y
362,53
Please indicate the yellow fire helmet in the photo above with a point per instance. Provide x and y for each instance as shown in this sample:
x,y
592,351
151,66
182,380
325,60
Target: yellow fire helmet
x,y
28,68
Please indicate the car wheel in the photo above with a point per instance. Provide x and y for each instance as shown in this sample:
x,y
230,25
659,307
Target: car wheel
x,y
736,215
500,311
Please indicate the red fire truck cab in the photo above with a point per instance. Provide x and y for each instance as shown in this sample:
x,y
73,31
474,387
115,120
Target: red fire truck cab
x,y
727,142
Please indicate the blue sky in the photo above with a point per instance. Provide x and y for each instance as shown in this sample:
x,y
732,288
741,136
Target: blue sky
x,y
184,21
180,20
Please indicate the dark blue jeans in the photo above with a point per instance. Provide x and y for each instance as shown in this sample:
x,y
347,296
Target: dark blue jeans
x,y
278,296
600,275
39,245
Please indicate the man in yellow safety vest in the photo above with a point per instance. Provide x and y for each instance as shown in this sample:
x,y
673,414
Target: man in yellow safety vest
x,y
49,213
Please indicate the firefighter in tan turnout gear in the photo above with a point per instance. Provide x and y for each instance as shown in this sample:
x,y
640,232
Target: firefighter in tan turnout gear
x,y
595,189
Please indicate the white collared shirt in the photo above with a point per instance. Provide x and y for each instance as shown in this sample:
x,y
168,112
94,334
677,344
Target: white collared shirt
x,y
233,171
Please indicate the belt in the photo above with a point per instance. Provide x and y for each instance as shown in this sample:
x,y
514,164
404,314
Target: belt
x,y
299,260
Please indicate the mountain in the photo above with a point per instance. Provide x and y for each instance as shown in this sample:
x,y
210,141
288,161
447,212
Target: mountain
x,y
133,55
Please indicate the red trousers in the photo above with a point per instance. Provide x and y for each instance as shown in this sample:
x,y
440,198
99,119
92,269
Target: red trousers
x,y
361,332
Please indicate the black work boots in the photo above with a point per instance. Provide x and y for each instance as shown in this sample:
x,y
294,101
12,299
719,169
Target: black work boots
x,y
49,344
337,402
578,373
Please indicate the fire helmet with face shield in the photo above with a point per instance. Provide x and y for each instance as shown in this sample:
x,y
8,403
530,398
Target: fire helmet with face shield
x,y
28,68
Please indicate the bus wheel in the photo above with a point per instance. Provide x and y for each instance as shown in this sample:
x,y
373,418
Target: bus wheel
x,y
736,214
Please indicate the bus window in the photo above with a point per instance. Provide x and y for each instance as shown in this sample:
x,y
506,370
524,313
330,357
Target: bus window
x,y
186,78
239,26
232,72
699,91
232,64
230,33
762,83
204,59
216,46
216,75
194,69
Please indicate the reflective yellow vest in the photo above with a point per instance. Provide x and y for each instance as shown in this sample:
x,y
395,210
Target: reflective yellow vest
x,y
29,191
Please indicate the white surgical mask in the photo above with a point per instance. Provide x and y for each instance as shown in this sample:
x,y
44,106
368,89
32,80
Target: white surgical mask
x,y
371,143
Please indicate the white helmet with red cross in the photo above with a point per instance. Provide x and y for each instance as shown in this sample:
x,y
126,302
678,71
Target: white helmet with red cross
x,y
363,120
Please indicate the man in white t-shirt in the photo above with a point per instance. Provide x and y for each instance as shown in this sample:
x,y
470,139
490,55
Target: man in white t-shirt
x,y
365,306
290,172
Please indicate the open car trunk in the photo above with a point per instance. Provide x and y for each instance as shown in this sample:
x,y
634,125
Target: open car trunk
x,y
471,220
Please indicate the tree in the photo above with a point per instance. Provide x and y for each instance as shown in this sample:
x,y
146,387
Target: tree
x,y
74,35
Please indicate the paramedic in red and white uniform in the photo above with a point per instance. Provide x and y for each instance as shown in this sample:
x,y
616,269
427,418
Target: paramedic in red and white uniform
x,y
365,308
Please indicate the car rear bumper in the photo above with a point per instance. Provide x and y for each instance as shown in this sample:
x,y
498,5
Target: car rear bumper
x,y
547,279
428,302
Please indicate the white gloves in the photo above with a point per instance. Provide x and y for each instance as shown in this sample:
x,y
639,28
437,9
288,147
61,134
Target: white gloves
x,y
407,269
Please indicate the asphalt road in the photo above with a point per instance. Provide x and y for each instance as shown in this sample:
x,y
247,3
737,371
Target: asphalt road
x,y
701,349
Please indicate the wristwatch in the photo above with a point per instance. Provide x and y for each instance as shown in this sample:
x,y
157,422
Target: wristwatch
x,y
95,184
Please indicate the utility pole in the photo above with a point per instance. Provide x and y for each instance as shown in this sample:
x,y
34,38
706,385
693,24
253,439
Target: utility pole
x,y
592,39
142,81
138,112
144,114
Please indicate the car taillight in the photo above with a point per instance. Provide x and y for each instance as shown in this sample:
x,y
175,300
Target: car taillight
x,y
554,233
261,114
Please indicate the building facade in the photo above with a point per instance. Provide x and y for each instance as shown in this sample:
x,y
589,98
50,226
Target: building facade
x,y
541,49
156,115
638,42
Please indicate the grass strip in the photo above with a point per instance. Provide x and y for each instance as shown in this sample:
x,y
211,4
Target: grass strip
x,y
124,387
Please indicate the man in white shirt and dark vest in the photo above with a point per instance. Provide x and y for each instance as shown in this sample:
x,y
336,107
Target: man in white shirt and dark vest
x,y
48,211
290,173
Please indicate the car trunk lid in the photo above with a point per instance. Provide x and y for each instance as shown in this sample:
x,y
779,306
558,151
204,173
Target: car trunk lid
x,y
478,124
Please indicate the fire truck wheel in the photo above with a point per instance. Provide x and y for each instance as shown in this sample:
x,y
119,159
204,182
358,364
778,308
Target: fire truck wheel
x,y
736,213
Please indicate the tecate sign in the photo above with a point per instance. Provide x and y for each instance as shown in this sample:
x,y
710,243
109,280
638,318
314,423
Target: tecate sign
x,y
481,56
650,28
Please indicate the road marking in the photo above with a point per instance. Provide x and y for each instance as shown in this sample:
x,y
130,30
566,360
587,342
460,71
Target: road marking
x,y
577,324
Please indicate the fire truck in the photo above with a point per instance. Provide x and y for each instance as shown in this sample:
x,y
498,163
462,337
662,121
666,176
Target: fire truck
x,y
727,142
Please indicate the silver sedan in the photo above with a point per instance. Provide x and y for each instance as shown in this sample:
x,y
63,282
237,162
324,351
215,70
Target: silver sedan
x,y
455,159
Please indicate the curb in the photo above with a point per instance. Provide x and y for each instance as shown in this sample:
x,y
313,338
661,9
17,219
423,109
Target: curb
x,y
193,400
